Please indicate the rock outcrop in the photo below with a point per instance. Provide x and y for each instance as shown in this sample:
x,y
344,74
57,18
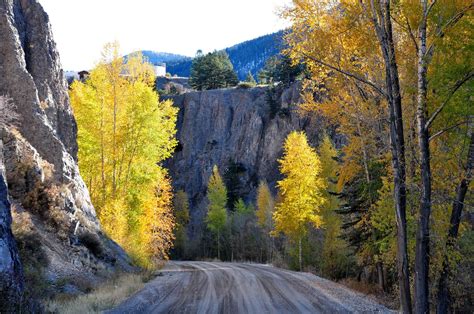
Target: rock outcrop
x,y
242,132
50,200
11,272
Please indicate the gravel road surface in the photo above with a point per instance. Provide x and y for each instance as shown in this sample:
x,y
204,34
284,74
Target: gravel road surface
x,y
215,287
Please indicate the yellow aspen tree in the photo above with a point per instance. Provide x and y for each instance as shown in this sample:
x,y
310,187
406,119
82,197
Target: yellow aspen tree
x,y
217,213
300,190
355,41
124,133
265,206
394,53
114,220
265,209
157,224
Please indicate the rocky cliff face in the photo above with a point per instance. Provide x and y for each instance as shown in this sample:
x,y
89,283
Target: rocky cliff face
x,y
11,272
50,200
239,130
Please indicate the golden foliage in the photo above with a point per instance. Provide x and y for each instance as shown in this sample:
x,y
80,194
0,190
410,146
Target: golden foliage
x,y
301,189
265,206
124,133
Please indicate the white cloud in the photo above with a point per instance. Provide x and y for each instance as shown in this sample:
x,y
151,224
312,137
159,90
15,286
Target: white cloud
x,y
82,27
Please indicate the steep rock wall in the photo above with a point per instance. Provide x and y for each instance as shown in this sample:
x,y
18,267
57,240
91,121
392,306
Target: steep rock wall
x,y
49,197
239,130
11,272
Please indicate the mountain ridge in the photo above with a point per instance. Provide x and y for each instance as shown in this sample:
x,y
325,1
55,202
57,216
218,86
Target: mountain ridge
x,y
248,56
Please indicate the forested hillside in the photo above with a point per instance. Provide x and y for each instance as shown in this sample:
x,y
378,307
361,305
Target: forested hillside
x,y
163,57
249,56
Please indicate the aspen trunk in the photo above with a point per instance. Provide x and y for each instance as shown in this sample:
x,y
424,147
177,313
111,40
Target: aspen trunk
x,y
114,145
458,205
102,152
300,259
383,25
381,276
423,231
218,245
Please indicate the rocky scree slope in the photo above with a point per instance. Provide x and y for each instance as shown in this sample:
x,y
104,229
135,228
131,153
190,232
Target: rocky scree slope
x,y
242,132
53,218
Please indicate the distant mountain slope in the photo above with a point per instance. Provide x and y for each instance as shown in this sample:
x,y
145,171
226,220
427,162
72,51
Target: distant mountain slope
x,y
248,56
251,56
175,64
163,57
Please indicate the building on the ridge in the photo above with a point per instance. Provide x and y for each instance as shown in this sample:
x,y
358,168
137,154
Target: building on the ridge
x,y
160,69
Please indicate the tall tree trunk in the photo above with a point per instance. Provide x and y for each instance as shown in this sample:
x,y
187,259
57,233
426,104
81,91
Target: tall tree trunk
x,y
423,231
114,144
458,205
102,152
272,249
383,26
218,245
381,276
300,259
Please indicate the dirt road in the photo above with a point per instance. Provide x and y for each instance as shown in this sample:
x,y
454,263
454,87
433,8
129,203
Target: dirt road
x,y
211,287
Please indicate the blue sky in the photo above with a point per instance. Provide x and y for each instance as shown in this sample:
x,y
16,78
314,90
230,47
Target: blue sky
x,y
82,27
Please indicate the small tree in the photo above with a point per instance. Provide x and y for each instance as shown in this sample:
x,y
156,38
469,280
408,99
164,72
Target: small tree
x,y
181,212
334,251
217,213
280,69
265,208
301,190
243,231
250,79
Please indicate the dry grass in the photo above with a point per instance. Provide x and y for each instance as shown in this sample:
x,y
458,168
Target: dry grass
x,y
373,291
104,297
32,254
360,286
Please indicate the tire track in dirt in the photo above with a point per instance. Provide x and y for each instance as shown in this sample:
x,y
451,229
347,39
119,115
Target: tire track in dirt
x,y
216,287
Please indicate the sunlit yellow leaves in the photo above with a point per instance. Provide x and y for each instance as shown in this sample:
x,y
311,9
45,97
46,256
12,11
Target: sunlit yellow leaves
x,y
265,206
301,188
124,133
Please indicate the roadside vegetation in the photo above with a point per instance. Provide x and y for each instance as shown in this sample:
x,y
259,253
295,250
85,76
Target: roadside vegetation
x,y
104,297
382,207
390,207
125,133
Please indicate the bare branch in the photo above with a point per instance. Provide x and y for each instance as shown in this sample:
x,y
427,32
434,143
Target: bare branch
x,y
349,74
450,23
432,137
412,36
456,86
429,8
